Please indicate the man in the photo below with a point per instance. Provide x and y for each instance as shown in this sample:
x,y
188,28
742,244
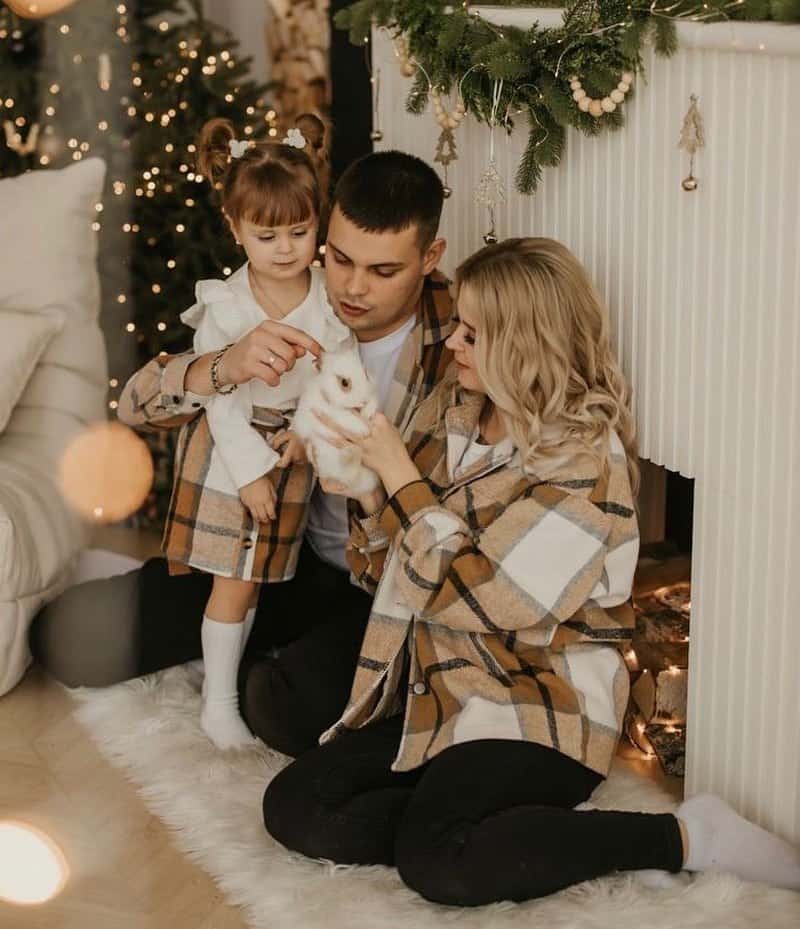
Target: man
x,y
381,257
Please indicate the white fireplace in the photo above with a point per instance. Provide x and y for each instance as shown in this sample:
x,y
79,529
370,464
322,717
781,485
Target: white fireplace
x,y
704,293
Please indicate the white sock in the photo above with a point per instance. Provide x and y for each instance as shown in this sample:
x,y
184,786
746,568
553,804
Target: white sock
x,y
220,715
722,840
249,619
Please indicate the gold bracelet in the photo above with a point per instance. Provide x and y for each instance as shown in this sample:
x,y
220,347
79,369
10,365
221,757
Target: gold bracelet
x,y
218,388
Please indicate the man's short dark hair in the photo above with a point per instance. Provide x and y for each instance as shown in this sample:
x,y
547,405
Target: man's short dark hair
x,y
390,191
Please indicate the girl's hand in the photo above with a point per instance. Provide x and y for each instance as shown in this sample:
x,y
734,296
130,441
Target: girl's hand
x,y
383,450
259,498
294,451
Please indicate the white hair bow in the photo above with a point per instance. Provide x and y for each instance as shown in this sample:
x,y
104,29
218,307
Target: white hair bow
x,y
295,138
238,148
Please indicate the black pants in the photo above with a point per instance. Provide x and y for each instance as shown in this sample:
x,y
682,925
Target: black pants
x,y
483,821
106,631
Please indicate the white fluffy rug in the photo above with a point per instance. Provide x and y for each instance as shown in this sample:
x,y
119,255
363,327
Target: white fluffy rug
x,y
150,729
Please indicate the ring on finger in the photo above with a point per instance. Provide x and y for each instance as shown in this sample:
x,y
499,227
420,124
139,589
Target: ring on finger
x,y
271,360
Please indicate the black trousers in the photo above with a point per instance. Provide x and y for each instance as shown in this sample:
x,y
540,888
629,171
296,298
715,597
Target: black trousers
x,y
110,630
483,821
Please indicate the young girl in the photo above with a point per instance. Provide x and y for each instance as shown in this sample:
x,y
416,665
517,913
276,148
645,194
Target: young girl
x,y
490,692
242,483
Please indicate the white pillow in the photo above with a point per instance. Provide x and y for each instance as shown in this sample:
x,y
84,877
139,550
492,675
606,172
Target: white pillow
x,y
46,242
23,340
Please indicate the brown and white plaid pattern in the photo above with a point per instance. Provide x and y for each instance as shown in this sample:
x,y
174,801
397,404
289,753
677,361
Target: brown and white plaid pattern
x,y
212,531
210,528
511,591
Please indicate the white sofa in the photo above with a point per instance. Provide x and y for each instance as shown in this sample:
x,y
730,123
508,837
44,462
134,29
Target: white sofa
x,y
53,382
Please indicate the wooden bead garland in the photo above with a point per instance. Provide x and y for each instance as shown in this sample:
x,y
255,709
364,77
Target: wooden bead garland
x,y
608,104
445,119
407,66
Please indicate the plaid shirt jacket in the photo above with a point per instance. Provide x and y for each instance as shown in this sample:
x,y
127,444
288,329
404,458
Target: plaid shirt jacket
x,y
154,399
507,592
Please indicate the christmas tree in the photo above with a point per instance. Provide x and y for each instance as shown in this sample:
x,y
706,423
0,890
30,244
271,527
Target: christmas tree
x,y
133,83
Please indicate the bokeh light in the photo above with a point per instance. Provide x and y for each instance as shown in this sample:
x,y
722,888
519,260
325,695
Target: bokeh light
x,y
33,868
106,473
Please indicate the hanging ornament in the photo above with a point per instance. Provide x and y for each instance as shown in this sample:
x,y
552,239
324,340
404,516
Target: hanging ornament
x,y
448,121
490,190
14,138
407,64
598,107
376,135
104,71
692,140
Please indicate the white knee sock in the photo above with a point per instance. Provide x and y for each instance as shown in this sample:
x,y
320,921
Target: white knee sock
x,y
722,840
249,619
220,717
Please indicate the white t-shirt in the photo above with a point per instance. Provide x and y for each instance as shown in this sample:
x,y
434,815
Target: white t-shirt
x,y
327,519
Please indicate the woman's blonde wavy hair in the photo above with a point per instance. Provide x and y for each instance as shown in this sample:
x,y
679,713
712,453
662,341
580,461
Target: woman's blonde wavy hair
x,y
542,350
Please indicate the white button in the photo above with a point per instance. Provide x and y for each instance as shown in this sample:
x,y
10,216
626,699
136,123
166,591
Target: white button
x,y
419,688
362,550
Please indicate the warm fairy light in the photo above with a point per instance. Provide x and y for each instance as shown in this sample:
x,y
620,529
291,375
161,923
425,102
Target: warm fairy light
x,y
161,327
112,404
54,89
248,130
321,249
122,9
169,147
155,170
126,228
273,132
130,327
193,54
271,114
95,226
73,143
151,185
190,202
229,98
149,117
113,382
121,298
20,121
10,103
98,207
226,271
44,160
180,228
119,187
34,867
64,30
163,25
250,110
84,146
137,82
183,105
191,147
102,125
171,263
131,111
156,288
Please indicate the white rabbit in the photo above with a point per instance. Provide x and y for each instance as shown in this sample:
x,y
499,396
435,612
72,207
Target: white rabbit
x,y
342,390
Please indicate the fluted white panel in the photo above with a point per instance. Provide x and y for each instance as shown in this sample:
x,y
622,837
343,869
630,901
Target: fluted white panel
x,y
704,295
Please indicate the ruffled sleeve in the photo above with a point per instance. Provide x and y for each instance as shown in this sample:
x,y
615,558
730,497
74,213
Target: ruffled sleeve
x,y
217,317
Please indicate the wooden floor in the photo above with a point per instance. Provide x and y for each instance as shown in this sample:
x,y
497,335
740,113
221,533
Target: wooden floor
x,y
125,872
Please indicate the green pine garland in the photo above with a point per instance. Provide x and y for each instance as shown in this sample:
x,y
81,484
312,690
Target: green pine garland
x,y
450,41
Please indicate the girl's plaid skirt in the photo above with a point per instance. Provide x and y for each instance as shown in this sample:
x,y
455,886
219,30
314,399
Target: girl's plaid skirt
x,y
212,531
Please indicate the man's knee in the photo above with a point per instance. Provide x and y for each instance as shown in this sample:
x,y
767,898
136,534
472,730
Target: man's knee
x,y
274,709
87,637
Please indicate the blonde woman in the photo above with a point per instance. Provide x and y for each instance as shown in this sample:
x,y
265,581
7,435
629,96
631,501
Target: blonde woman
x,y
489,695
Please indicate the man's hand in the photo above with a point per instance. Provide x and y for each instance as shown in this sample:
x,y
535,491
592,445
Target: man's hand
x,y
266,352
259,498
294,451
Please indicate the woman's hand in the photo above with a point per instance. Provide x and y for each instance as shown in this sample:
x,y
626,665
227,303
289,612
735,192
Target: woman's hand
x,y
294,451
382,449
259,498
